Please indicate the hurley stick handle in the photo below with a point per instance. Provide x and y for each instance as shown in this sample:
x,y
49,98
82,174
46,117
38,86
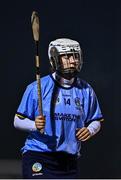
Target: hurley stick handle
x,y
38,85
35,29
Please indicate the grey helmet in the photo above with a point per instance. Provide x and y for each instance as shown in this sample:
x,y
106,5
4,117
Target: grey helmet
x,y
64,46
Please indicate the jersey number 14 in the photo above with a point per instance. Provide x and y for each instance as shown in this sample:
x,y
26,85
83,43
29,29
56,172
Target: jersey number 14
x,y
67,101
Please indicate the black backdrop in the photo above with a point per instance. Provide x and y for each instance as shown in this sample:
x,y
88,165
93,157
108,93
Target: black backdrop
x,y
97,26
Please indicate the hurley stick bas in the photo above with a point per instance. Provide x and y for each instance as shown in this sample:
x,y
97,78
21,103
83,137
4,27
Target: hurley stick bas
x,y
35,30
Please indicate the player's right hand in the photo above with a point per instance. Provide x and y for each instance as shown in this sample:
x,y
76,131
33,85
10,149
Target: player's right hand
x,y
40,122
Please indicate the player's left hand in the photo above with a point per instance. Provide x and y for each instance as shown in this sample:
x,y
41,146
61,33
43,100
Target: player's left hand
x,y
83,134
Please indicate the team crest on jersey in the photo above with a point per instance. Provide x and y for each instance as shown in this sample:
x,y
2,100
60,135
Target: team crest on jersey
x,y
78,103
36,167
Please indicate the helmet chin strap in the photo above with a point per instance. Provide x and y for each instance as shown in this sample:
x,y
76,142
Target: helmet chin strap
x,y
67,74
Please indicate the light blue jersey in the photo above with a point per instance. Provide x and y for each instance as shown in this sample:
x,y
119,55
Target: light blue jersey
x,y
65,110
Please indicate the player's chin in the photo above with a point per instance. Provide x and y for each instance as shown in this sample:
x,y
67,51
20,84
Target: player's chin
x,y
70,69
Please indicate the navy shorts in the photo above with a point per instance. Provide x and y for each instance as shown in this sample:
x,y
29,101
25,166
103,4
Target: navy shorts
x,y
58,165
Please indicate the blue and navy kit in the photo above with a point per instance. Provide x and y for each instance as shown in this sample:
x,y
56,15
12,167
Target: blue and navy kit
x,y
65,109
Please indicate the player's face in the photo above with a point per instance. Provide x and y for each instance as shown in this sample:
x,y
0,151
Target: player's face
x,y
69,61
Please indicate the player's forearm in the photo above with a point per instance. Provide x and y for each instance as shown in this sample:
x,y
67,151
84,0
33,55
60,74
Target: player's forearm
x,y
24,124
94,127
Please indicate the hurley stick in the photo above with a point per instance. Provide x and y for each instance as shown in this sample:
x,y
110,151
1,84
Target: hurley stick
x,y
35,29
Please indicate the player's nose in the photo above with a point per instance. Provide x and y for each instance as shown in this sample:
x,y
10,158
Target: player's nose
x,y
72,59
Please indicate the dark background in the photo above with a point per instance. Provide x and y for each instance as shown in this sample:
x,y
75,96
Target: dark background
x,y
96,24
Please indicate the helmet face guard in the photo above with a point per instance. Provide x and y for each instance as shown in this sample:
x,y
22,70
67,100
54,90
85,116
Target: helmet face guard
x,y
69,50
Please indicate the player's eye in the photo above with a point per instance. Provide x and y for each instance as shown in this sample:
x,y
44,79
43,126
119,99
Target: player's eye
x,y
76,55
